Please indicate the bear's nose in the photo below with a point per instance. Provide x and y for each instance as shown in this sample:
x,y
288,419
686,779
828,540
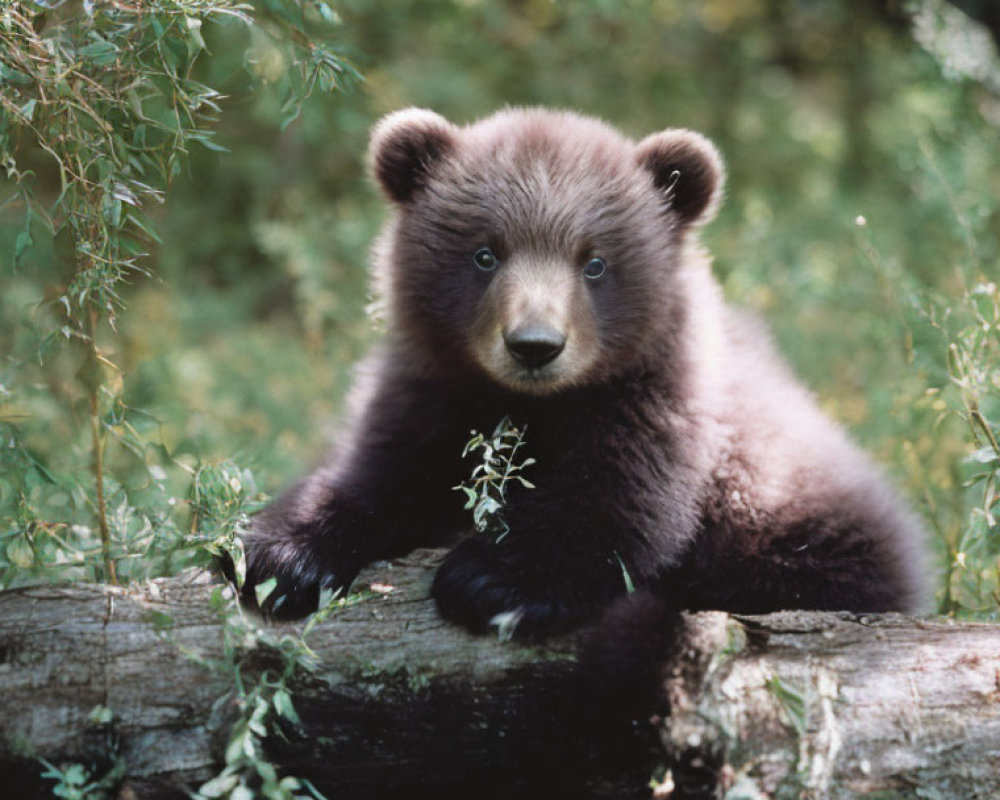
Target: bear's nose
x,y
534,345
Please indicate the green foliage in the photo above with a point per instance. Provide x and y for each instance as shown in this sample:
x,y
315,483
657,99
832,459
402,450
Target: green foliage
x,y
950,402
105,90
221,497
262,694
486,489
100,109
970,330
74,781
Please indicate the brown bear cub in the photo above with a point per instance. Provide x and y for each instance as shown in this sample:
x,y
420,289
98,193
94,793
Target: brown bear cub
x,y
541,266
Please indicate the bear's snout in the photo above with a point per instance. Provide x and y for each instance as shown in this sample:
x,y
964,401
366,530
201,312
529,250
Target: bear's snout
x,y
534,345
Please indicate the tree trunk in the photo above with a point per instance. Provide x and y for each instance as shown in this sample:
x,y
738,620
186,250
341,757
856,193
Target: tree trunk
x,y
401,704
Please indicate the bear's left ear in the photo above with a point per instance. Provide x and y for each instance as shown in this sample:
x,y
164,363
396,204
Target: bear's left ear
x,y
688,169
405,146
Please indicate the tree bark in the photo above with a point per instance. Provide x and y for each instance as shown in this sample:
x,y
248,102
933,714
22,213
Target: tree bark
x,y
401,704
809,704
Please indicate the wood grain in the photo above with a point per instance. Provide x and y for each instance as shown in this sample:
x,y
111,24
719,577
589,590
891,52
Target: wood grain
x,y
402,704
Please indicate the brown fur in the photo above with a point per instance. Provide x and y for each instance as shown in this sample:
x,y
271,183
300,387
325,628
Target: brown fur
x,y
670,438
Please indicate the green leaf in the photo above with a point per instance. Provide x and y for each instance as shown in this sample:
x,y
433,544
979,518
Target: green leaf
x,y
984,455
101,52
471,497
111,211
328,14
290,113
101,715
75,775
20,553
219,786
205,139
195,41
502,426
263,590
140,221
238,746
21,244
484,507
28,110
313,790
629,585
14,77
282,702
266,771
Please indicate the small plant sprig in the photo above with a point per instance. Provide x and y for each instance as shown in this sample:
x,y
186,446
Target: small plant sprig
x,y
971,329
74,782
262,696
486,489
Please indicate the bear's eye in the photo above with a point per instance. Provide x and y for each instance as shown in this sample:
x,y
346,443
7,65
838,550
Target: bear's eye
x,y
594,269
485,259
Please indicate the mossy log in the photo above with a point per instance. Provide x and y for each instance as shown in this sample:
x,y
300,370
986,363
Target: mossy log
x,y
402,704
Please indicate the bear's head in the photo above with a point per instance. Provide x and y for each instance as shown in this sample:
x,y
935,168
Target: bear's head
x,y
539,248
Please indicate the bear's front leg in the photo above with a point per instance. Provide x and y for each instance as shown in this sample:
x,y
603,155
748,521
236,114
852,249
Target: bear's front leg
x,y
385,491
312,538
525,591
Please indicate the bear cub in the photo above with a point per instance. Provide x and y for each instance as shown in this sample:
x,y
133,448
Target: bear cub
x,y
539,265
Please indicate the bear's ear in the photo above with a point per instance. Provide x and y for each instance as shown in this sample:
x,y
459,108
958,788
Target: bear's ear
x,y
405,146
688,169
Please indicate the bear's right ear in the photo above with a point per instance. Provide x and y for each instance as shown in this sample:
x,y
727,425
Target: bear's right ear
x,y
687,169
405,146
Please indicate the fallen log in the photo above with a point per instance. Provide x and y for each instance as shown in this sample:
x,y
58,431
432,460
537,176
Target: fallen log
x,y
127,682
837,706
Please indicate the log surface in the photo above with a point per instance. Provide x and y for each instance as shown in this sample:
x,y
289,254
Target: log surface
x,y
842,706
403,704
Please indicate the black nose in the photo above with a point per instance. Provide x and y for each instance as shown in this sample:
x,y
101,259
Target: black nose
x,y
534,346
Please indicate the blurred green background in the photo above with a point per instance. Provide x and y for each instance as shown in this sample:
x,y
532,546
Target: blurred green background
x,y
862,220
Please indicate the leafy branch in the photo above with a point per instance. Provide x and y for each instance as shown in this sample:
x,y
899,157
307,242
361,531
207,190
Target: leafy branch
x,y
99,110
972,332
486,489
